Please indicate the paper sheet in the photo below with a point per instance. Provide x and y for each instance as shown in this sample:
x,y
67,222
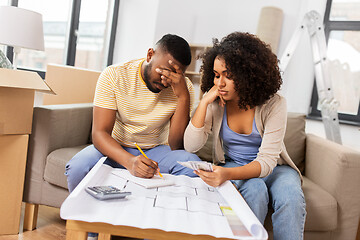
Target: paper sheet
x,y
155,181
189,206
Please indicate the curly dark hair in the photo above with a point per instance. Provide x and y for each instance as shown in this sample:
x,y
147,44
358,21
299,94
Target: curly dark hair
x,y
251,65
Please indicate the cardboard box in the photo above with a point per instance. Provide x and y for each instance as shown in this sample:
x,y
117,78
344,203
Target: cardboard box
x,y
71,84
17,99
13,151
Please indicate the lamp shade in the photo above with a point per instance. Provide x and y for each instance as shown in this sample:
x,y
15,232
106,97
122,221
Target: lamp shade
x,y
21,28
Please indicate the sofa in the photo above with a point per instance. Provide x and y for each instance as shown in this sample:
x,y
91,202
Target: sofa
x,y
331,171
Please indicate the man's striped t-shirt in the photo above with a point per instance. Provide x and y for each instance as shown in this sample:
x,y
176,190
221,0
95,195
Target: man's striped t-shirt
x,y
142,116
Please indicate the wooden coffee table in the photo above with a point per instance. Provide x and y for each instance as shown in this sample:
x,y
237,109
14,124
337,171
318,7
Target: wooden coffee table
x,y
77,230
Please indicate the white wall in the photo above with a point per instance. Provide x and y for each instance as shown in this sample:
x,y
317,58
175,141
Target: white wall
x,y
135,29
142,22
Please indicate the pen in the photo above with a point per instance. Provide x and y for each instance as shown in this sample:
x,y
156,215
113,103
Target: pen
x,y
146,157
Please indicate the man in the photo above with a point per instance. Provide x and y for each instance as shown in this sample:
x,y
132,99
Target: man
x,y
144,101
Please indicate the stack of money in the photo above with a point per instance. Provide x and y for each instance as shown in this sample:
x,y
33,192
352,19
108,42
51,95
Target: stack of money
x,y
196,165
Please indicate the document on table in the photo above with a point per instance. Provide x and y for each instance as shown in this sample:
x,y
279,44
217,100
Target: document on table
x,y
155,181
188,206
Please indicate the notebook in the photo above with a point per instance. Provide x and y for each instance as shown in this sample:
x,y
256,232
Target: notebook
x,y
153,182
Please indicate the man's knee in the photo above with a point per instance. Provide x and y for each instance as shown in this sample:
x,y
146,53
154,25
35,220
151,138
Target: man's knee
x,y
184,156
80,164
75,168
80,161
181,156
75,171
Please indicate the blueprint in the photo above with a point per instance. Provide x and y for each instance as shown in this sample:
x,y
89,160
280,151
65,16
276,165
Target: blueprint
x,y
188,205
188,194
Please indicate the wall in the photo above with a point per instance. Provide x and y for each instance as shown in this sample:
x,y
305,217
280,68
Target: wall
x,y
143,22
350,135
135,29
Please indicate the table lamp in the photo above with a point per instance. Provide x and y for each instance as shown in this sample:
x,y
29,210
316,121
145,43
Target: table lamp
x,y
21,28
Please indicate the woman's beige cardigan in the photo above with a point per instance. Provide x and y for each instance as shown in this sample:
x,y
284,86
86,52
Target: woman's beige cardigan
x,y
270,120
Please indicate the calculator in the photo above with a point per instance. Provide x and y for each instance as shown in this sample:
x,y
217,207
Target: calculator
x,y
106,192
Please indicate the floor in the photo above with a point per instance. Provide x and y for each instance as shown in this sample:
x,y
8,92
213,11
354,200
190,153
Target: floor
x,y
49,227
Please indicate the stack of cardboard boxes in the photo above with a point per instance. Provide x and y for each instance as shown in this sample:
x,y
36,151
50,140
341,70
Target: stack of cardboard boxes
x,y
16,111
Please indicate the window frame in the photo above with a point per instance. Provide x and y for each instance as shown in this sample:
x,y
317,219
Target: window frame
x,y
329,26
71,37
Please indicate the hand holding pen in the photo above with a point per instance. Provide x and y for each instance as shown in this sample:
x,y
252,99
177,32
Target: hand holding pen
x,y
153,162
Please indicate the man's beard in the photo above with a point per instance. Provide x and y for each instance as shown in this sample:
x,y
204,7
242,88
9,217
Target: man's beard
x,y
147,78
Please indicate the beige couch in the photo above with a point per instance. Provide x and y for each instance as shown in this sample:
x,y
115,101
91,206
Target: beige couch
x,y
331,179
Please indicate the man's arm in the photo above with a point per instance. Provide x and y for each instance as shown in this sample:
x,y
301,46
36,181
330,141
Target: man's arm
x,y
181,116
103,123
179,122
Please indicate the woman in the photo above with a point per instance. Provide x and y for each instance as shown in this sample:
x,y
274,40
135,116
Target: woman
x,y
248,118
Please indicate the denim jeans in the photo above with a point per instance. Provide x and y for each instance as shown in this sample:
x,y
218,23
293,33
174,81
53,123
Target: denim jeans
x,y
85,160
282,188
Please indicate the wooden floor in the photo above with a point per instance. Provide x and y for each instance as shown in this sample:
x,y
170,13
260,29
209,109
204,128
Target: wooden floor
x,y
49,227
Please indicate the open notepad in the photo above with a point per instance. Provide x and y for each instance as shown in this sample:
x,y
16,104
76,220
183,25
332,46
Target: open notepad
x,y
155,181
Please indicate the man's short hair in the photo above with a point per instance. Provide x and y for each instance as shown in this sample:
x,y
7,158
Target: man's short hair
x,y
177,47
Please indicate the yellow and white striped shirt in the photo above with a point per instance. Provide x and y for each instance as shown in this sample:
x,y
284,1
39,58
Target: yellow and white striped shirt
x,y
142,116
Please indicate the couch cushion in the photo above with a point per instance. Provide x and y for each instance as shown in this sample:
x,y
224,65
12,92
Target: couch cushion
x,y
55,165
295,139
321,209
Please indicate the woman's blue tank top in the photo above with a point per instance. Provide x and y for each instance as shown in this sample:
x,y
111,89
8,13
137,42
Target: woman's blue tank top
x,y
241,148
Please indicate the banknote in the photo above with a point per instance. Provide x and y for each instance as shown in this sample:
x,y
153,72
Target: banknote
x,y
196,165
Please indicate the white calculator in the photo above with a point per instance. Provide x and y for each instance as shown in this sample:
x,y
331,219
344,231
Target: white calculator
x,y
106,192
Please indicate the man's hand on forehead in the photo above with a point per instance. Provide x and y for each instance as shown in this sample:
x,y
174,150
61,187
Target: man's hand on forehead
x,y
166,68
169,72
171,66
173,76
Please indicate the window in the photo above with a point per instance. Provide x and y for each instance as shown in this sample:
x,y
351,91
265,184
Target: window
x,y
55,21
342,30
92,38
3,3
76,32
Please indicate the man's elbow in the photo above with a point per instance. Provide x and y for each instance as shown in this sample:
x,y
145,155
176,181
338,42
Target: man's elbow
x,y
176,145
97,137
94,137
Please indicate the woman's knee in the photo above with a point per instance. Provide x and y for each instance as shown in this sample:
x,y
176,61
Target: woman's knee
x,y
290,197
256,195
255,188
285,189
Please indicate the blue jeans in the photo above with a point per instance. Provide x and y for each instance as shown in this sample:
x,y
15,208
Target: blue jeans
x,y
85,160
282,188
